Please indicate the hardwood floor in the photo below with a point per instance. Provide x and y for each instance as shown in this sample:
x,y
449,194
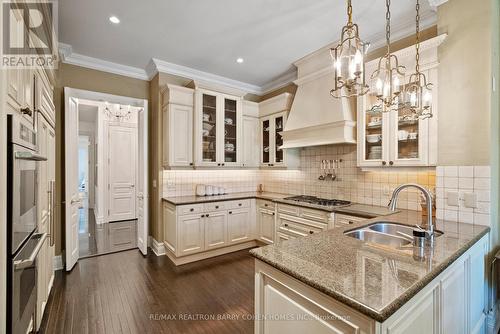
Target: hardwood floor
x,y
128,293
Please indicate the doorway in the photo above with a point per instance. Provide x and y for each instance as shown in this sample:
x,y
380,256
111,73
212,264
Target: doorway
x,y
106,174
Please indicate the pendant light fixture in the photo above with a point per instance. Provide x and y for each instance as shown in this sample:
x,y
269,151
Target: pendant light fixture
x,y
120,113
348,61
388,78
418,93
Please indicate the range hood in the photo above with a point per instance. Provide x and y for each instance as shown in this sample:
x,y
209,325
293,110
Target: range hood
x,y
316,118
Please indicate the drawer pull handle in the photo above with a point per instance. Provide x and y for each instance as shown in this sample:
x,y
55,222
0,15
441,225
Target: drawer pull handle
x,y
239,204
273,213
286,225
207,215
192,209
266,205
230,212
311,232
216,206
202,216
351,222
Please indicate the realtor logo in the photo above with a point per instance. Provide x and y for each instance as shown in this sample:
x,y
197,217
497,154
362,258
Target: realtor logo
x,y
29,34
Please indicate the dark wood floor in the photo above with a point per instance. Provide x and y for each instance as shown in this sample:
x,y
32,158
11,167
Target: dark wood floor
x,y
128,293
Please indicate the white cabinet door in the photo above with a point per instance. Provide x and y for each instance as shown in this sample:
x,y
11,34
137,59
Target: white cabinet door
x,y
266,226
250,141
191,234
453,308
122,148
178,137
267,141
215,230
207,132
238,226
231,143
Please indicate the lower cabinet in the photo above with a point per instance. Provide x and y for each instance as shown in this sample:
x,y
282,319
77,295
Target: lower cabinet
x,y
191,234
453,302
239,227
215,230
266,224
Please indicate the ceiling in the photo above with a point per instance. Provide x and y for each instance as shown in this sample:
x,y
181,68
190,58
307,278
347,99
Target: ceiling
x,y
210,35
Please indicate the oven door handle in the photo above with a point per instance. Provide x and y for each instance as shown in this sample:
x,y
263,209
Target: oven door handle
x,y
29,156
29,262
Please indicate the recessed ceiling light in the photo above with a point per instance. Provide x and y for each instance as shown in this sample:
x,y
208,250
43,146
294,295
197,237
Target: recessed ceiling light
x,y
114,19
240,60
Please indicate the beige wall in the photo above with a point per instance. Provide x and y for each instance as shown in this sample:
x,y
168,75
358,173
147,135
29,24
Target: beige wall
x,y
464,83
87,79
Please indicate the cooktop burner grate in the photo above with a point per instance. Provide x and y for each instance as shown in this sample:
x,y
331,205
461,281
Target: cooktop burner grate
x,y
317,201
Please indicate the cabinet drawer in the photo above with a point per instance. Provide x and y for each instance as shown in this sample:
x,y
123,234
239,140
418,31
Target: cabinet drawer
x,y
215,206
238,204
341,220
289,209
190,209
314,215
265,205
299,227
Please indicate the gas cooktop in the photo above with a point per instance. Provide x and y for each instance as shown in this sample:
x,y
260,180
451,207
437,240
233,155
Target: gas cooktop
x,y
317,201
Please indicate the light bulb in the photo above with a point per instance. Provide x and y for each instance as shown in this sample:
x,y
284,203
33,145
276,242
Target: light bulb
x,y
413,99
386,89
338,67
395,84
358,57
379,86
427,99
352,69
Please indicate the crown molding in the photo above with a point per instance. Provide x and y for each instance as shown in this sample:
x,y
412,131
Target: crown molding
x,y
194,74
280,82
69,57
436,3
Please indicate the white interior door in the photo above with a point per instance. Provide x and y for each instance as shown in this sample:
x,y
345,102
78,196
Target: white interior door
x,y
142,184
122,154
72,199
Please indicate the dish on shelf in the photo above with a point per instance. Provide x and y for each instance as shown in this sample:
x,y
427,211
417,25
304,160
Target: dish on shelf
x,y
374,124
207,126
206,117
413,135
207,160
372,139
228,159
228,121
266,149
205,133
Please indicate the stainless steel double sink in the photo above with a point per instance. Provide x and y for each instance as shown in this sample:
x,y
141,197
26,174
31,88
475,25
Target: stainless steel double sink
x,y
386,233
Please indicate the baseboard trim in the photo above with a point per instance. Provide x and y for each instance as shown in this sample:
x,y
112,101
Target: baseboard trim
x,y
178,261
58,262
157,247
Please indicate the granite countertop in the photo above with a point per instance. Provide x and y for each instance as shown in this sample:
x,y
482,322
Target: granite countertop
x,y
367,211
372,279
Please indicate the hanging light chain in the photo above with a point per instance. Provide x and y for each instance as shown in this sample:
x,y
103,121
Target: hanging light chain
x,y
417,45
349,12
388,25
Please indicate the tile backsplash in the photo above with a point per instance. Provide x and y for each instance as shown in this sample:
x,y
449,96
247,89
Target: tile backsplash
x,y
353,184
463,194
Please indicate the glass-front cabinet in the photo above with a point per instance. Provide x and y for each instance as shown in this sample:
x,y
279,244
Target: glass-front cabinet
x,y
271,127
217,129
396,137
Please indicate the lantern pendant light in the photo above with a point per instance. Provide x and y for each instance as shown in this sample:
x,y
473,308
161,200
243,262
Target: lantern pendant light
x,y
418,93
388,78
349,61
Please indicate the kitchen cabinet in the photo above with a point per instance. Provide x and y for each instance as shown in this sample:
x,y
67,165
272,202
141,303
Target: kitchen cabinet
x,y
20,88
453,302
272,155
218,129
215,230
46,211
293,221
251,128
266,225
345,220
396,138
239,227
177,116
197,231
191,234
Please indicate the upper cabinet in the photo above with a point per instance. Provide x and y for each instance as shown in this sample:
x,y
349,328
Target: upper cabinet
x,y
251,134
273,116
217,129
177,115
396,138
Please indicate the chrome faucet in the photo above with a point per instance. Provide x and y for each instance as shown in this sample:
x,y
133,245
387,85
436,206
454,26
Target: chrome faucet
x,y
393,203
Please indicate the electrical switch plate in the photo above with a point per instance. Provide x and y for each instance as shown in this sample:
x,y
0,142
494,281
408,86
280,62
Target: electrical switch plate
x,y
470,200
452,198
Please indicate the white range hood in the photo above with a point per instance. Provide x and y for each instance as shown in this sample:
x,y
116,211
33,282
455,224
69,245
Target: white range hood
x,y
316,118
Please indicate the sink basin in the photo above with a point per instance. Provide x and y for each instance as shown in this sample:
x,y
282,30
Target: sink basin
x,y
396,229
378,238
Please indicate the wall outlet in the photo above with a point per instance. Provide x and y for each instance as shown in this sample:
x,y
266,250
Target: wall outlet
x,y
386,190
452,198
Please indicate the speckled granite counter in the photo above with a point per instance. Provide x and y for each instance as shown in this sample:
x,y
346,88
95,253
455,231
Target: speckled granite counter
x,y
367,211
369,278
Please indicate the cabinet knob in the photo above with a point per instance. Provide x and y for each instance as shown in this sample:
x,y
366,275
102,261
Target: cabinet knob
x,y
286,225
202,216
351,222
223,164
207,215
265,205
192,209
311,232
27,111
230,212
216,206
239,204
273,213
391,163
190,164
384,163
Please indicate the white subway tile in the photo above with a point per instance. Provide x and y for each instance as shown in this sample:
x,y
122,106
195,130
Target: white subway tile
x,y
450,171
466,171
482,171
482,183
482,219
